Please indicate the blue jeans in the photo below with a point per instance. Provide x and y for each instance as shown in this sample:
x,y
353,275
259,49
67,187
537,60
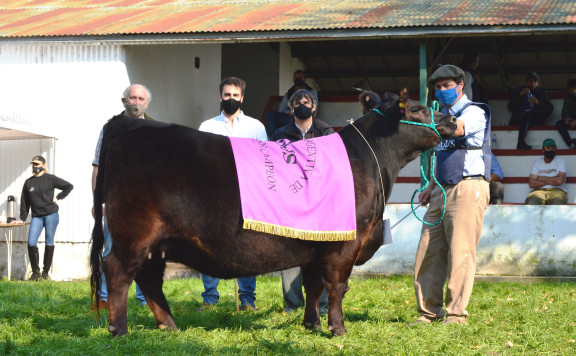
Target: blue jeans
x,y
246,287
50,222
107,247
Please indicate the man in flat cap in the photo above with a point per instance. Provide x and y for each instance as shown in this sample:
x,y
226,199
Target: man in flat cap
x,y
447,248
530,105
548,178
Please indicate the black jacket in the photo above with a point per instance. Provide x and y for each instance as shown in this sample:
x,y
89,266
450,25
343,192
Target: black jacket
x,y
517,100
38,192
291,132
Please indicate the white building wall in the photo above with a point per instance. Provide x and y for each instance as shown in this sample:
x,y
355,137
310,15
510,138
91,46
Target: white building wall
x,y
517,240
65,91
68,92
181,93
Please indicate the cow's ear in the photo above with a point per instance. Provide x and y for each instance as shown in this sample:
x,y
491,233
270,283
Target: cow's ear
x,y
403,100
403,96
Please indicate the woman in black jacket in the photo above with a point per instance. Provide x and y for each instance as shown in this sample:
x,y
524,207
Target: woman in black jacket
x,y
38,195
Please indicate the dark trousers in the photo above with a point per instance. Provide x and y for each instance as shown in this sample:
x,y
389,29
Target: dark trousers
x,y
496,193
529,118
275,120
563,130
292,290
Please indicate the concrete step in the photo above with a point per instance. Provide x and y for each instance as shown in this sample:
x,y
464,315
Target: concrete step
x,y
507,137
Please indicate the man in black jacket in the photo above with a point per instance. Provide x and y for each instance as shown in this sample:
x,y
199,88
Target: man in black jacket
x,y
568,116
302,127
530,105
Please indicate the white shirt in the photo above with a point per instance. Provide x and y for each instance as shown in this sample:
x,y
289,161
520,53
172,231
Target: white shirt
x,y
541,168
474,126
244,127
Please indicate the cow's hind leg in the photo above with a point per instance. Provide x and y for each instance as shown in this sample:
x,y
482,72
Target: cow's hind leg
x,y
118,283
313,286
150,280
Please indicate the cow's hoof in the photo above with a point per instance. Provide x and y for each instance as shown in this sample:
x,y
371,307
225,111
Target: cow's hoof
x,y
167,327
337,331
115,332
312,326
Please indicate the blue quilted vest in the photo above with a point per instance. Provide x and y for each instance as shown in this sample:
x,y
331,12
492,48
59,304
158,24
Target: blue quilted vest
x,y
451,153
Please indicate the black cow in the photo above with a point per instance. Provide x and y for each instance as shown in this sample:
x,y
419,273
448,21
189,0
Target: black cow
x,y
172,193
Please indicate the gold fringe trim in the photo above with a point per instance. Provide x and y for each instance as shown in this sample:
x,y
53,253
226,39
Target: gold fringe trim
x,y
299,234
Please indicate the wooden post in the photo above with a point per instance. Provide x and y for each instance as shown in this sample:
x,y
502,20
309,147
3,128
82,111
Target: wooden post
x,y
236,292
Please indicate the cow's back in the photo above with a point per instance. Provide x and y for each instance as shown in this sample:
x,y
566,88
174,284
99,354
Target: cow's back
x,y
174,173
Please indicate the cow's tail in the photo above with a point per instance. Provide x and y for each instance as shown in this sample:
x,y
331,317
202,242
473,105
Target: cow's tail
x,y
96,259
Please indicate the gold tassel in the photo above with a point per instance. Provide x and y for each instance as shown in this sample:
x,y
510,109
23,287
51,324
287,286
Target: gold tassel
x,y
299,234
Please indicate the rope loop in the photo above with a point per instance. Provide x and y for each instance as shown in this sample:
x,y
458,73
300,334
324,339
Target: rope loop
x,y
432,126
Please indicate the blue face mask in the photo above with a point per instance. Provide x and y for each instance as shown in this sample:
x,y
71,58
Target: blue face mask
x,y
448,96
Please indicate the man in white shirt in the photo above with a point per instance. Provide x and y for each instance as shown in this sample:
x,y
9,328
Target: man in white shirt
x,y
548,178
233,123
448,242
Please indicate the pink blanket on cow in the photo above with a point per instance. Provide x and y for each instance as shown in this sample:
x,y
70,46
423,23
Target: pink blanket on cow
x,y
302,189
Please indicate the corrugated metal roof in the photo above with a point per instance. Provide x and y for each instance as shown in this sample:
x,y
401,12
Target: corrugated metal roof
x,y
33,18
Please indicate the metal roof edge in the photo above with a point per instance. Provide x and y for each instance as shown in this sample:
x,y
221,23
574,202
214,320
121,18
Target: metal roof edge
x,y
293,35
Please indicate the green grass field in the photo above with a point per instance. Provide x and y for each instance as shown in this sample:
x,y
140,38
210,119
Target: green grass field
x,y
54,318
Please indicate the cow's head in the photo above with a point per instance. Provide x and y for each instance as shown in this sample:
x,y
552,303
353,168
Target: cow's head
x,y
400,108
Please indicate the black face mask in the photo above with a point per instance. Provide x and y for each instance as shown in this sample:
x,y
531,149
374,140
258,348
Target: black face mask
x,y
230,106
550,154
37,170
302,112
299,82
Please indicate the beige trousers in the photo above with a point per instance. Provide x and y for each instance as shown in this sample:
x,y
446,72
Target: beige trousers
x,y
448,251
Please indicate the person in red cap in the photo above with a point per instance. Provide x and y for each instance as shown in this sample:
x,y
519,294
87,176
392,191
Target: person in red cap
x,y
38,196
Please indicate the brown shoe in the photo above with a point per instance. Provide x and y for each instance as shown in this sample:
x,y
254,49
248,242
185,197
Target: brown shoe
x,y
460,320
248,307
205,306
102,305
423,320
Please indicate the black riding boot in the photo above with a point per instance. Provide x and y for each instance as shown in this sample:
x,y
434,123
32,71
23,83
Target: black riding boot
x,y
522,133
48,254
34,262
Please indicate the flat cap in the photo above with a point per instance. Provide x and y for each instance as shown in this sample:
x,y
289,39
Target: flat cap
x,y
446,71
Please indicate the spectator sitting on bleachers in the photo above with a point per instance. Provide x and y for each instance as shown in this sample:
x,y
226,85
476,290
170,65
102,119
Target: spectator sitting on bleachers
x,y
277,119
530,105
496,186
568,120
469,65
369,100
548,178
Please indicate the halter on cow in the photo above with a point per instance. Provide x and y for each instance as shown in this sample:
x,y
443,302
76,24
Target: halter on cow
x,y
172,193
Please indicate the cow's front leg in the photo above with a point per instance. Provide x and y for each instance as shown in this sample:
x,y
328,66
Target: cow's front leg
x,y
336,291
336,287
313,286
118,283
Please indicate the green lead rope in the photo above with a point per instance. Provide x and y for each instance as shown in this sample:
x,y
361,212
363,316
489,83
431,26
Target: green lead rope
x,y
432,126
